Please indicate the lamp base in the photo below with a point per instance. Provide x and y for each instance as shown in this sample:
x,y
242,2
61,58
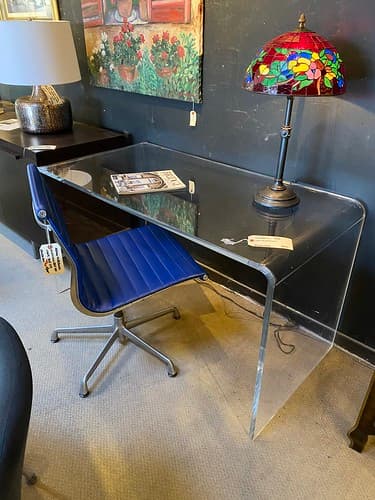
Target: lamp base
x,y
38,116
276,198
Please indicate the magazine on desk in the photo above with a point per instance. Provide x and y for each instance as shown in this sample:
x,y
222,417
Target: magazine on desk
x,y
147,182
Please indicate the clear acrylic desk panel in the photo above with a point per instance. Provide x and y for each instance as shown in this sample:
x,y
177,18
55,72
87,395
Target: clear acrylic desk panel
x,y
303,289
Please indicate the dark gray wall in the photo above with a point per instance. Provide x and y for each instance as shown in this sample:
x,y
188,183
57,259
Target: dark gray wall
x,y
333,139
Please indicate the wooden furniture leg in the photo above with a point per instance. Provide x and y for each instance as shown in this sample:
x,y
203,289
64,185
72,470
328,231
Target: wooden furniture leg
x,y
365,423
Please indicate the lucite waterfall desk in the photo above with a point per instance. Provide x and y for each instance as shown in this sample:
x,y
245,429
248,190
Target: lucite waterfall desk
x,y
303,290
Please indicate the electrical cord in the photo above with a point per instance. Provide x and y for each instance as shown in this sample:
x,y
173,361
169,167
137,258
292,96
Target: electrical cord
x,y
284,347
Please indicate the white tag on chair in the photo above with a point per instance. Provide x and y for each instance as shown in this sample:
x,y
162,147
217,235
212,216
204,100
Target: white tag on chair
x,y
51,257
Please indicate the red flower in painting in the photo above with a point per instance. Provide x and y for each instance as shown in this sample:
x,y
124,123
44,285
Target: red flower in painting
x,y
127,27
180,51
166,52
127,45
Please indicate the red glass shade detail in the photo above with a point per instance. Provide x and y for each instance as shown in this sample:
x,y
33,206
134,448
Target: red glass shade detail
x,y
299,63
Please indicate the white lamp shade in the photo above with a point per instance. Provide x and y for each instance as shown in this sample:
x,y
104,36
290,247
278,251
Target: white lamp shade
x,y
37,53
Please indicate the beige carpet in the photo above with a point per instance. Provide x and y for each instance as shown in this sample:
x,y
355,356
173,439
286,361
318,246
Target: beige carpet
x,y
141,435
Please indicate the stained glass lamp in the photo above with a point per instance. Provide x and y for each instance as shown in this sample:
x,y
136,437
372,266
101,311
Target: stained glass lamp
x,y
297,63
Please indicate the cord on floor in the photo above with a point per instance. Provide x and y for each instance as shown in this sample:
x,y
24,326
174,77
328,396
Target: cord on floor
x,y
284,347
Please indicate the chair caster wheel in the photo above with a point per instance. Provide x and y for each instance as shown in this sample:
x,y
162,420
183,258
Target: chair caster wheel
x,y
84,392
31,480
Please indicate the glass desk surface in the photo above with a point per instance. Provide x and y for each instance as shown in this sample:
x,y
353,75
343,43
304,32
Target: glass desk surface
x,y
221,206
304,288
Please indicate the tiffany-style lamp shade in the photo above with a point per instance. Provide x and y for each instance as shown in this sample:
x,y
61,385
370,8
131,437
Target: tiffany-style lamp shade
x,y
297,63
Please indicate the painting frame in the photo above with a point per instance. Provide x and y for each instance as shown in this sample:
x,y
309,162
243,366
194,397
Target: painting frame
x,y
43,10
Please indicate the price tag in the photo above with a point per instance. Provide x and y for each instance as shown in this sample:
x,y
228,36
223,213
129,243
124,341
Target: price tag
x,y
256,240
51,257
51,94
42,147
193,118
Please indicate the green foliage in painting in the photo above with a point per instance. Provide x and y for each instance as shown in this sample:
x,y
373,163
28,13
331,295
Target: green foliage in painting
x,y
170,69
185,83
148,80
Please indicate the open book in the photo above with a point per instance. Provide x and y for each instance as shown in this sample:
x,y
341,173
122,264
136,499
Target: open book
x,y
146,182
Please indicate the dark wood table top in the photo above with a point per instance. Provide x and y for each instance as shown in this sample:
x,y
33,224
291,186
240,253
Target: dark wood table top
x,y
82,140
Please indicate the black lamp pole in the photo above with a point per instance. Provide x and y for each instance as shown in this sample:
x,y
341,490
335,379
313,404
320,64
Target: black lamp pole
x,y
279,196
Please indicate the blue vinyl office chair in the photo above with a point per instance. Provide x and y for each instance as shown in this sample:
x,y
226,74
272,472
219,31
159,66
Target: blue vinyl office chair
x,y
110,273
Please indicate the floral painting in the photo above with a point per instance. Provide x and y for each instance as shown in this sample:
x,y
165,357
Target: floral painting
x,y
151,47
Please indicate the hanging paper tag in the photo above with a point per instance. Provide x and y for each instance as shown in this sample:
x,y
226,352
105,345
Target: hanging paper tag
x,y
256,240
51,94
51,257
193,118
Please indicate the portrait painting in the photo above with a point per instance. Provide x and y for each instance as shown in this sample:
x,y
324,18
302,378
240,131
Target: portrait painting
x,y
29,9
151,47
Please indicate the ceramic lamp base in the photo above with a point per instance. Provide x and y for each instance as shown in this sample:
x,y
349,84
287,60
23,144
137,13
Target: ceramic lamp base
x,y
43,117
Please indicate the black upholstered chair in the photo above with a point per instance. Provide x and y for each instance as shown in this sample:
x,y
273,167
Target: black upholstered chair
x,y
15,406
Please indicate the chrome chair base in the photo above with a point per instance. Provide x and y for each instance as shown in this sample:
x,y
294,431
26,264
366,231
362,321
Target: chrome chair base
x,y
120,329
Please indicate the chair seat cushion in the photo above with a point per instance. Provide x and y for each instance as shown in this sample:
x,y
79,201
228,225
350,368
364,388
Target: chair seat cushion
x,y
123,267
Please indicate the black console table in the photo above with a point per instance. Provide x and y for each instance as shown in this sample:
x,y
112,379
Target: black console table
x,y
16,219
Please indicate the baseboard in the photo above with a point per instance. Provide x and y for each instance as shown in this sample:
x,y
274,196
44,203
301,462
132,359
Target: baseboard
x,y
349,344
355,347
26,245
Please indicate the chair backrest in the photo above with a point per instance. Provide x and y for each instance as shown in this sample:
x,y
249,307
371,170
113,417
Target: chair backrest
x,y
47,213
15,407
46,210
